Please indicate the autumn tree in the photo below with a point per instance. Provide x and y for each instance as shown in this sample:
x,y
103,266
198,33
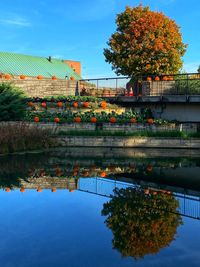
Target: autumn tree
x,y
198,70
145,42
142,223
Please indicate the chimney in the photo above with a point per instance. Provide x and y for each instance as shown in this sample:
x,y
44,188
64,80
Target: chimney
x,y
49,58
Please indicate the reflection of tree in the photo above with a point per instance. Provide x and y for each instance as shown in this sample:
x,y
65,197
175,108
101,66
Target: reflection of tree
x,y
141,223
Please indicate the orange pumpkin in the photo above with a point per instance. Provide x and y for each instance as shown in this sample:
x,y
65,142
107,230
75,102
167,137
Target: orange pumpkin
x,y
133,120
54,78
39,190
157,78
36,119
53,190
44,104
7,76
93,120
150,121
113,119
103,104
39,77
22,190
103,174
57,120
7,189
75,104
149,168
85,104
22,77
30,104
149,79
77,119
60,104
72,78
170,78
165,78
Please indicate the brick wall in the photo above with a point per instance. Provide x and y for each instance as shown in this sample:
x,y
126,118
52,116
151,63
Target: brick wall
x,y
45,87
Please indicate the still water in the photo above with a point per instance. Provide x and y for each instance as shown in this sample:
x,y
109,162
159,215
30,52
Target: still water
x,y
110,208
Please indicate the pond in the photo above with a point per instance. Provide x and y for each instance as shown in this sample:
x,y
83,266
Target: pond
x,y
100,207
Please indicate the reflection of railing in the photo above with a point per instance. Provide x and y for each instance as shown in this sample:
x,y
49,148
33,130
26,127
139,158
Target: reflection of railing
x,y
189,206
150,85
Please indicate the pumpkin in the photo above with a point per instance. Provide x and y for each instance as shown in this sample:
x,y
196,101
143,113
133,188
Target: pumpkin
x,y
165,78
22,190
22,77
77,119
7,76
93,120
85,104
113,119
30,104
39,77
170,78
75,104
157,78
39,190
149,168
57,120
53,190
85,173
133,120
60,104
72,78
102,174
103,104
149,79
150,121
44,104
36,119
54,78
7,189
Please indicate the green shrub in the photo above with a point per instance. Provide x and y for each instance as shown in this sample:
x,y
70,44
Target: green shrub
x,y
12,104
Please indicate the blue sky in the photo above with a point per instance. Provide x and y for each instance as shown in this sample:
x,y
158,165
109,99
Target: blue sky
x,y
79,30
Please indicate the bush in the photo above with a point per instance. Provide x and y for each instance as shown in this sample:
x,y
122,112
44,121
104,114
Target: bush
x,y
12,103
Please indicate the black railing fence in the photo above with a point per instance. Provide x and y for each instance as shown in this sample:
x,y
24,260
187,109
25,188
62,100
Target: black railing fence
x,y
149,85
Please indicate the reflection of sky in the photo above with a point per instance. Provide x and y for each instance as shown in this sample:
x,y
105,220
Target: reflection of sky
x,y
67,229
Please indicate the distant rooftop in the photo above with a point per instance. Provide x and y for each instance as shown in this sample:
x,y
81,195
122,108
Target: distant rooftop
x,y
17,64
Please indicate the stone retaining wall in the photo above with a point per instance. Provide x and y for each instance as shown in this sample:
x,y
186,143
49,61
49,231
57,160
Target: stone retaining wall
x,y
45,87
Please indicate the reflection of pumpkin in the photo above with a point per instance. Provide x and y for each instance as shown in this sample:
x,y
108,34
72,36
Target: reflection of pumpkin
x,y
150,121
86,104
44,104
133,120
53,190
93,120
7,189
22,190
71,190
75,104
36,119
39,190
57,120
103,104
77,119
60,104
113,120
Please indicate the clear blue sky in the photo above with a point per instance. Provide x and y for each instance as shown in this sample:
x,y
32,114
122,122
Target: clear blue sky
x,y
79,30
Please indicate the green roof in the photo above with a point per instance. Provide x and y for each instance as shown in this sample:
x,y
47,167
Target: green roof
x,y
17,64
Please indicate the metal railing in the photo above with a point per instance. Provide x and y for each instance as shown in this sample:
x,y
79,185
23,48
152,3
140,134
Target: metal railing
x,y
149,85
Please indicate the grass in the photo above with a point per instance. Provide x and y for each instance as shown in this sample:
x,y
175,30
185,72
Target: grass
x,y
164,134
22,137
